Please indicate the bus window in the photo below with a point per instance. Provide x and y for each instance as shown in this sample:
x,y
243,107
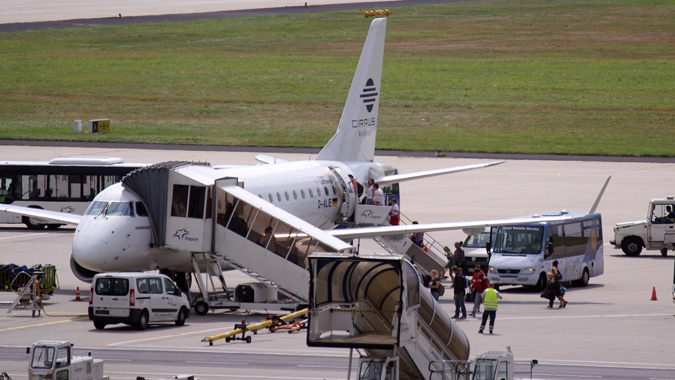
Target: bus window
x,y
519,239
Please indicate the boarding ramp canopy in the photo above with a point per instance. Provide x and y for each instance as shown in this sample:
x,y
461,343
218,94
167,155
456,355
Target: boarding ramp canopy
x,y
192,208
267,240
377,304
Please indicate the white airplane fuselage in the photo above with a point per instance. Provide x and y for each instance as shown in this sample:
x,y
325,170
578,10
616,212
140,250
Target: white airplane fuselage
x,y
310,190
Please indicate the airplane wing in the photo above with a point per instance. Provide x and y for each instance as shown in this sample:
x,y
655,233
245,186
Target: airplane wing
x,y
42,214
269,159
430,173
367,232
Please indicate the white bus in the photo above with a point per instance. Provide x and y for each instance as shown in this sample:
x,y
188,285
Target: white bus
x,y
65,184
523,254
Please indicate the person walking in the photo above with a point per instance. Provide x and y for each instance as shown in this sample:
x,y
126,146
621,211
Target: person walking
x,y
491,299
434,284
478,285
459,255
459,287
557,284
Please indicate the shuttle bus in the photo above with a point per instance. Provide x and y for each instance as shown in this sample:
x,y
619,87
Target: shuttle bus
x,y
65,184
523,254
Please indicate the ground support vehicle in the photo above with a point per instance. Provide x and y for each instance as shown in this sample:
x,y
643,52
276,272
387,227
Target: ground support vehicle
x,y
214,293
656,232
54,360
522,254
491,365
137,299
475,250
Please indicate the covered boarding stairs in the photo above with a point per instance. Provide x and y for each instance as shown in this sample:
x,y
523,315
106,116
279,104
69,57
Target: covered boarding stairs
x,y
193,210
377,304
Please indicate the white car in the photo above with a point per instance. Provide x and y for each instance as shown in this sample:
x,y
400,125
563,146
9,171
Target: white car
x,y
137,299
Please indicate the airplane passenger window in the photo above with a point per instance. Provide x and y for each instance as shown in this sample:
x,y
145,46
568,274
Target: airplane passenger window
x,y
271,198
326,190
318,192
295,195
279,197
287,197
311,193
302,193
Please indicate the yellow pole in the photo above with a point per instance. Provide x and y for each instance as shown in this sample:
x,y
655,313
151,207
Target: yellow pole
x,y
255,327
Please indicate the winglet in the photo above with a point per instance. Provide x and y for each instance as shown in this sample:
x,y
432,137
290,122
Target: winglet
x,y
597,200
355,136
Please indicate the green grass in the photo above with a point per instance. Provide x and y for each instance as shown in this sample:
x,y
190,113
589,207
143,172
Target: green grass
x,y
590,77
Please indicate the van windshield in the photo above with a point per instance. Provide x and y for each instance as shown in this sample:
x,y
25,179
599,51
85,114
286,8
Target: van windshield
x,y
476,241
110,286
519,239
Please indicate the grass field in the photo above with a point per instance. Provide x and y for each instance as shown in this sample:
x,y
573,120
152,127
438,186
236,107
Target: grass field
x,y
590,77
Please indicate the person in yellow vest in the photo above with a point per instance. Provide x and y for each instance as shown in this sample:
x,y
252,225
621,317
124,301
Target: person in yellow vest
x,y
491,299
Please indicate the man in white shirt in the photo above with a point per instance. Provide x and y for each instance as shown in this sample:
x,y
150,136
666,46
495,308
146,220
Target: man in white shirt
x,y
378,196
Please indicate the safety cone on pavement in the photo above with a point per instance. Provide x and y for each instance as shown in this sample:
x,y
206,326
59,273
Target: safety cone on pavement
x,y
77,294
654,294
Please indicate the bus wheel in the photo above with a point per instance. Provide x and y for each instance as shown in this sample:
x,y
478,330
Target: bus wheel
x,y
32,224
583,281
631,246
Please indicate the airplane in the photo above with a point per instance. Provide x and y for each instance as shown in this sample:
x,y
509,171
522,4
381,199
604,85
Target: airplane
x,y
125,227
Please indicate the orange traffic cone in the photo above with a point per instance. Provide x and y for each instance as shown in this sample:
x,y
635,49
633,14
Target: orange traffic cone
x,y
654,294
77,294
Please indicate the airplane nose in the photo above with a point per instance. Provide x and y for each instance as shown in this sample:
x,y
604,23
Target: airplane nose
x,y
91,252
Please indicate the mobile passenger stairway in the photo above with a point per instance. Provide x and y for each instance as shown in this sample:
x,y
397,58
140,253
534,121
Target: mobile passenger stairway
x,y
378,306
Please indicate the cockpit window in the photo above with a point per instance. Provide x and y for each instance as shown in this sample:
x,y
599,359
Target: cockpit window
x,y
119,209
140,209
96,208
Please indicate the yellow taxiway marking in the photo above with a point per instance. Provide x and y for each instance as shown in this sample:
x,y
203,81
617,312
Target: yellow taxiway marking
x,y
42,324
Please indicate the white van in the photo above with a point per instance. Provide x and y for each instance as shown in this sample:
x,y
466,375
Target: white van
x,y
136,299
475,252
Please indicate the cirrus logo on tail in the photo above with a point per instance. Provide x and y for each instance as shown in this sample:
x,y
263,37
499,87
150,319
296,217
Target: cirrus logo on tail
x,y
369,95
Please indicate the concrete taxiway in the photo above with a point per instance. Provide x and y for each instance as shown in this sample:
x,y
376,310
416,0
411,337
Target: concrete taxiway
x,y
612,325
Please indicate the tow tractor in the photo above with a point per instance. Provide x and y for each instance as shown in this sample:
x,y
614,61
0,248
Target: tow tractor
x,y
656,232
52,360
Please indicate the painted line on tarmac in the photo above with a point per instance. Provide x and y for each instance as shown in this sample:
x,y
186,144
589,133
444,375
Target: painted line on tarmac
x,y
41,324
601,363
26,235
590,316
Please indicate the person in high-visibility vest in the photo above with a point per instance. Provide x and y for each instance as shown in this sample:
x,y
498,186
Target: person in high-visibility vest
x,y
491,299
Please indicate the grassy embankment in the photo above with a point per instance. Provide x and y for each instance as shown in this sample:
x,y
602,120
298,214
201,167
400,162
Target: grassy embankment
x,y
532,76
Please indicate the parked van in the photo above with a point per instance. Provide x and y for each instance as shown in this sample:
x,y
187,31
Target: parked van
x,y
137,299
475,252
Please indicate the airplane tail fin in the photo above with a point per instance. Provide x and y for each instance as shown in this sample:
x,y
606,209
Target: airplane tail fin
x,y
597,200
355,136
